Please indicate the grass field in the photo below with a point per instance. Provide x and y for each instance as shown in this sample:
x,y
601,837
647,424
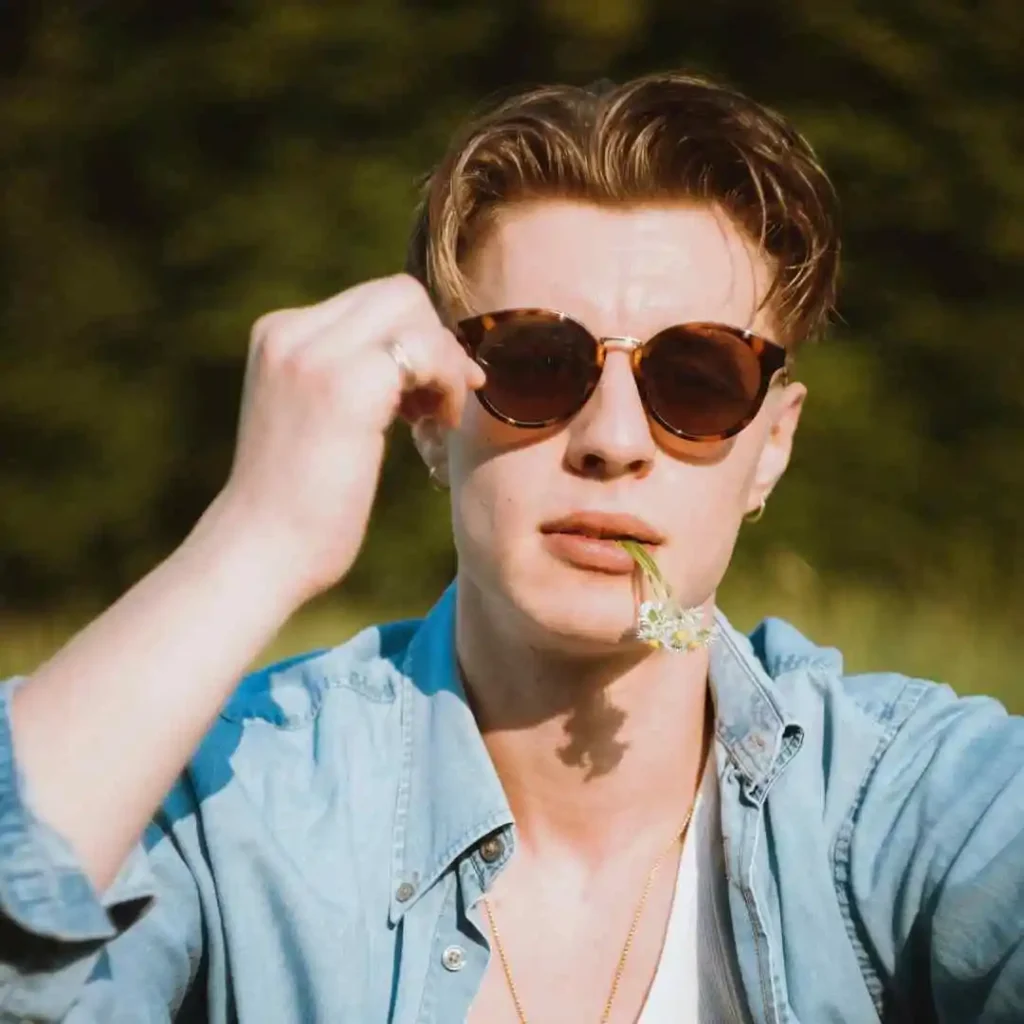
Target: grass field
x,y
973,651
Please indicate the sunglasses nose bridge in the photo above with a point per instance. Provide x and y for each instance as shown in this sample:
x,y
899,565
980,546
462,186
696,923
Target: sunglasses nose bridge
x,y
619,343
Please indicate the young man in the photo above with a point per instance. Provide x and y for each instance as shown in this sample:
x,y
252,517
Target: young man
x,y
516,809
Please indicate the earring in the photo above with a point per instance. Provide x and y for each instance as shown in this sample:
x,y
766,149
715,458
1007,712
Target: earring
x,y
755,516
435,480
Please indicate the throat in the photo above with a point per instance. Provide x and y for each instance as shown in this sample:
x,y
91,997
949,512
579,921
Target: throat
x,y
603,780
595,754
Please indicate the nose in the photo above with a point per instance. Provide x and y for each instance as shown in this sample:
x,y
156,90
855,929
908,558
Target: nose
x,y
611,437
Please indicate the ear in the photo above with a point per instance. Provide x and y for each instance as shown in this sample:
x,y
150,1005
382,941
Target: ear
x,y
431,440
777,447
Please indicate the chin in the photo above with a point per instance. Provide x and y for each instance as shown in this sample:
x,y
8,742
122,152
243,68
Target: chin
x,y
576,611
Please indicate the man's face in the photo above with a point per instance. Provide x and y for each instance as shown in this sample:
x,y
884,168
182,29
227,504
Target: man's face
x,y
619,272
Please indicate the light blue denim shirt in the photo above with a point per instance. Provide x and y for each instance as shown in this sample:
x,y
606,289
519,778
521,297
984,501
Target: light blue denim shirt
x,y
323,858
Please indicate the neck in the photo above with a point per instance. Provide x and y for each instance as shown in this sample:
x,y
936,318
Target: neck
x,y
597,755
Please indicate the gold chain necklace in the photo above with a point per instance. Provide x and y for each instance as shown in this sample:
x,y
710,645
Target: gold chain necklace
x,y
623,957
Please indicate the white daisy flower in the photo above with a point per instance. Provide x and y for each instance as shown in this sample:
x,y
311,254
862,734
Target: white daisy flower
x,y
662,622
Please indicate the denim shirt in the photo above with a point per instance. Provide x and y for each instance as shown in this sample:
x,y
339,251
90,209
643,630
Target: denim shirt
x,y
324,855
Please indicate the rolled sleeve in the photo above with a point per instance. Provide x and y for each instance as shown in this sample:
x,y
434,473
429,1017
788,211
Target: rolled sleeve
x,y
65,946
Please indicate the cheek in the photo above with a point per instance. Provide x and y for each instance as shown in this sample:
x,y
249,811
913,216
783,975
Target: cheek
x,y
704,501
706,511
505,480
708,478
499,475
481,436
705,498
482,439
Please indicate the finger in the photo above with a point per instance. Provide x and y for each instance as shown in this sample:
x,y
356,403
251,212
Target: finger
x,y
273,333
440,372
371,310
371,378
419,404
387,308
365,309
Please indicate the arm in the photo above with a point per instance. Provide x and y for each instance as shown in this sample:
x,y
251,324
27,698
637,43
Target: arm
x,y
102,730
68,953
91,743
937,861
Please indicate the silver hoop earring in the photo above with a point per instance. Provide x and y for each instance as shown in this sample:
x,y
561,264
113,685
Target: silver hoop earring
x,y
755,516
435,480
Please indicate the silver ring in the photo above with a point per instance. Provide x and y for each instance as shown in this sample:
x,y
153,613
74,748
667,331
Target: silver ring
x,y
401,359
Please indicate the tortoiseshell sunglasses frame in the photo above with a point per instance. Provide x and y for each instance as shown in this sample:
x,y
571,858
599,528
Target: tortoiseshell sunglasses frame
x,y
771,357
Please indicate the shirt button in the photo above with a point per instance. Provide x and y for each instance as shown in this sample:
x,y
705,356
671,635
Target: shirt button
x,y
491,849
454,958
405,892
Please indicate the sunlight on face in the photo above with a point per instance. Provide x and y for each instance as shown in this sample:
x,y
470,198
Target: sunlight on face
x,y
619,272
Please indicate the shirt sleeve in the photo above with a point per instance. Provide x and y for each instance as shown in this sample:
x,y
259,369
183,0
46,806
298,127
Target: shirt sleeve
x,y
69,953
937,861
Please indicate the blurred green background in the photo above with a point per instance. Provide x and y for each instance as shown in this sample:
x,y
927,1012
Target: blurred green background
x,y
171,171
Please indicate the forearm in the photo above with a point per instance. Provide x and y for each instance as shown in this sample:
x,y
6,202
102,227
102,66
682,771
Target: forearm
x,y
102,730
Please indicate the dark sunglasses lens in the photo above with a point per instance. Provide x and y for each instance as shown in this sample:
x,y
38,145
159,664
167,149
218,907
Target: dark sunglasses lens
x,y
539,369
701,381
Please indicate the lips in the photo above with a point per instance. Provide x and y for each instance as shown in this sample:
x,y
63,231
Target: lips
x,y
588,541
605,526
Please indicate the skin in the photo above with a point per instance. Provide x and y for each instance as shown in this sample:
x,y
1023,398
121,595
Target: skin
x,y
578,722
103,728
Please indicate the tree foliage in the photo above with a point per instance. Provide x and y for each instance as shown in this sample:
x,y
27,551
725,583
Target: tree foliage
x,y
170,171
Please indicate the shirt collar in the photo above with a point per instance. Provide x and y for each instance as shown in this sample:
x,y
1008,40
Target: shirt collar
x,y
751,722
450,796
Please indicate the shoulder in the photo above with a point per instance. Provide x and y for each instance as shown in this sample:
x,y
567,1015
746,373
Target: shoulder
x,y
921,795
808,676
290,693
270,720
897,741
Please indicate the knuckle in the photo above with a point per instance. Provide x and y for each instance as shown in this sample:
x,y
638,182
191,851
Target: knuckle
x,y
265,325
430,351
274,353
281,360
406,288
437,338
270,331
301,365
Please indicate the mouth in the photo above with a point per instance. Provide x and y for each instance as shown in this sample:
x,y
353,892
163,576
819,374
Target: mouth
x,y
605,526
590,541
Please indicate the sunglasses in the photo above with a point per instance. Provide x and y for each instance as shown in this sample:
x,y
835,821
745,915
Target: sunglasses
x,y
700,381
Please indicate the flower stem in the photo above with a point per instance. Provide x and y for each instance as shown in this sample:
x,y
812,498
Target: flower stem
x,y
648,567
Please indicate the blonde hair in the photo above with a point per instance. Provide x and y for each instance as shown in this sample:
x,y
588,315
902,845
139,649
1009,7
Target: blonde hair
x,y
661,138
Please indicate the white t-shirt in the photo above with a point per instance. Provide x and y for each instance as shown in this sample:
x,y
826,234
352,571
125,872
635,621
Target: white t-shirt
x,y
697,977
